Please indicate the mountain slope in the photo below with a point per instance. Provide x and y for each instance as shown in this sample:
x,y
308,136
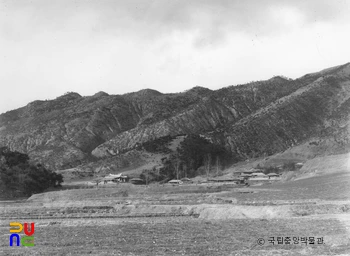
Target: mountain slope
x,y
255,119
306,113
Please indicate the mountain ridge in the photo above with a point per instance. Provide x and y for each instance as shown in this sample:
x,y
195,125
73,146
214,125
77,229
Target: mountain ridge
x,y
255,119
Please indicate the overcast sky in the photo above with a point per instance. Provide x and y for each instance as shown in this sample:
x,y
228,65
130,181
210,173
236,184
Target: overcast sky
x,y
49,47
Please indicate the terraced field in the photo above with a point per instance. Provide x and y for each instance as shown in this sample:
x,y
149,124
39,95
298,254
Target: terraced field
x,y
335,186
192,220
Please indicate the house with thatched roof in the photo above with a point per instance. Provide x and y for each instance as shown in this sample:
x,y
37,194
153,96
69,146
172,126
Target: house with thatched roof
x,y
246,176
137,181
257,170
115,178
274,176
228,179
187,180
259,175
175,182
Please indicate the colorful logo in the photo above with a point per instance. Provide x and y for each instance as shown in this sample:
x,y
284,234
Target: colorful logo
x,y
27,240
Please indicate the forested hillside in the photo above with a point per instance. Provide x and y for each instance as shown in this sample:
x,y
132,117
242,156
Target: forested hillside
x,y
20,177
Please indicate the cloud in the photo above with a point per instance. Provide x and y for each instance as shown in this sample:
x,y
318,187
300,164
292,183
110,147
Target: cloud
x,y
50,47
211,21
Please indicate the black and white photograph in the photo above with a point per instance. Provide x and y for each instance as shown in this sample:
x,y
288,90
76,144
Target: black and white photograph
x,y
175,127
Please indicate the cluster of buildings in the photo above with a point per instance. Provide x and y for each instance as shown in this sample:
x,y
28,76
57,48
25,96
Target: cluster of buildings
x,y
247,177
254,176
250,177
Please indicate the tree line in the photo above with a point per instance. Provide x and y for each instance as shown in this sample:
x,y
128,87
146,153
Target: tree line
x,y
196,155
20,177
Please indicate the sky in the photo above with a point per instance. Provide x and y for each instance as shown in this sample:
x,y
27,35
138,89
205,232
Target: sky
x,y
48,48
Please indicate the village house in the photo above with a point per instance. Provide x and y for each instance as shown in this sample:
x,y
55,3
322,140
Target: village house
x,y
255,170
137,181
259,175
175,182
245,176
299,165
224,179
187,180
227,179
115,178
242,173
274,176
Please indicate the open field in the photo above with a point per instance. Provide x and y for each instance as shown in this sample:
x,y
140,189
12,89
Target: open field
x,y
180,236
187,220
